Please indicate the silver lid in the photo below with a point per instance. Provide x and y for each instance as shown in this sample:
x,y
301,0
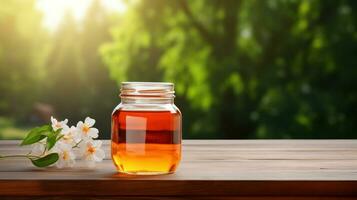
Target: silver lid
x,y
147,89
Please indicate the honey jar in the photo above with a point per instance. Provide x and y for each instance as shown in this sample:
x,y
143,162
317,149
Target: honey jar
x,y
146,129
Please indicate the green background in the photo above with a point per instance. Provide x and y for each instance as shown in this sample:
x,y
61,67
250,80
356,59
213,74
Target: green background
x,y
241,68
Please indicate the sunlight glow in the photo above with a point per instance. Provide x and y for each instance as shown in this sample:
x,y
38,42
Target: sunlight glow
x,y
54,10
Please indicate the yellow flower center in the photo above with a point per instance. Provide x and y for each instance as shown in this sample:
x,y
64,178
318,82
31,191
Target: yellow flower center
x,y
67,138
91,150
58,125
65,155
85,129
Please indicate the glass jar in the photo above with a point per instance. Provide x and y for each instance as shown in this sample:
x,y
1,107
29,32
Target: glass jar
x,y
146,129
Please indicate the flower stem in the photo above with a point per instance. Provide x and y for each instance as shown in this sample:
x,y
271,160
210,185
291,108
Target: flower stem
x,y
77,145
19,156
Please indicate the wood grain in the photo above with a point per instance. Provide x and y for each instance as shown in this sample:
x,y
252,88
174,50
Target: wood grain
x,y
248,169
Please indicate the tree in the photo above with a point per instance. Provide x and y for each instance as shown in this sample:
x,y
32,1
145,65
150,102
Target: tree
x,y
79,83
102,92
245,69
22,48
66,73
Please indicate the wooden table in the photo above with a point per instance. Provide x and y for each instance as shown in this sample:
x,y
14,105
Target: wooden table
x,y
210,169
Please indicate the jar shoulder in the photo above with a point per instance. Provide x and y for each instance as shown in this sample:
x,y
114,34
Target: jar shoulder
x,y
147,107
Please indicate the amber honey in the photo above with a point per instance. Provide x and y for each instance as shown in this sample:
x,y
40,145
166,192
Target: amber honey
x,y
146,142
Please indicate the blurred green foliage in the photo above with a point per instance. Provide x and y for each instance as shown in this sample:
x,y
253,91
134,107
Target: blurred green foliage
x,y
60,73
8,130
22,42
241,68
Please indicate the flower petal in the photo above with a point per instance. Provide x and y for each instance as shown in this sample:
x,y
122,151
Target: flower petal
x,y
80,125
60,163
62,146
65,129
38,148
97,143
72,156
76,137
89,121
99,155
80,128
53,120
53,123
93,133
83,149
64,122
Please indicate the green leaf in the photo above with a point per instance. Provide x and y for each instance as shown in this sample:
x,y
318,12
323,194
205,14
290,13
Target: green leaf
x,y
61,136
45,161
52,139
36,134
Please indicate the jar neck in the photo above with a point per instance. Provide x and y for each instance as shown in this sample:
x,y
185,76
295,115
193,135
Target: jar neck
x,y
146,100
147,93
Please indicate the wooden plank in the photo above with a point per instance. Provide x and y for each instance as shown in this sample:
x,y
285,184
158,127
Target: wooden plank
x,y
172,198
142,187
253,168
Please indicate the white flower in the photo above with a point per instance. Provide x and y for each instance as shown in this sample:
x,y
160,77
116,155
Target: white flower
x,y
38,148
66,155
92,152
85,129
58,124
70,135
